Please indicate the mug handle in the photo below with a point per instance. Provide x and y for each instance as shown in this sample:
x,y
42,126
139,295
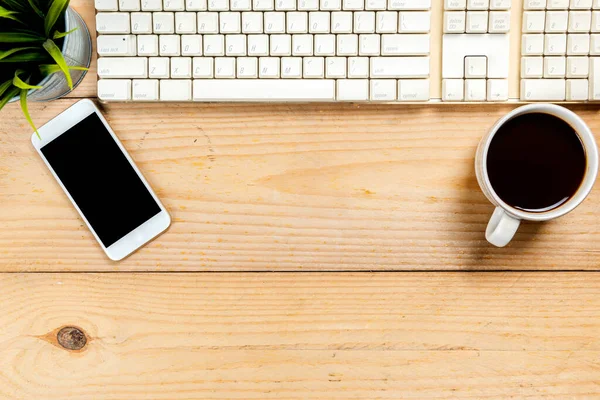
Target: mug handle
x,y
501,228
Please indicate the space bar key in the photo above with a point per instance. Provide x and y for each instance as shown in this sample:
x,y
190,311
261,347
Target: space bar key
x,y
264,90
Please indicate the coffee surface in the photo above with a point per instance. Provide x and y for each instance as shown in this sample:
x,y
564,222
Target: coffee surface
x,y
536,162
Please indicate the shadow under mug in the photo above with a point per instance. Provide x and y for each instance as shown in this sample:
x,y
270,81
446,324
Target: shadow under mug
x,y
506,219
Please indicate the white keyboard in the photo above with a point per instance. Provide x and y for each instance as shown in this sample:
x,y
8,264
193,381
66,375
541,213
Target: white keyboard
x,y
349,50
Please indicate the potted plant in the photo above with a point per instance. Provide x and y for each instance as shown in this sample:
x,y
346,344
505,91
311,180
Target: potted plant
x,y
45,49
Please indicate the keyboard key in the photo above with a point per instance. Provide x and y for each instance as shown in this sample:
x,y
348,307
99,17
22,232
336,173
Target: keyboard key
x,y
578,67
107,5
478,4
152,5
291,67
324,45
145,90
318,22
477,21
580,21
268,67
129,5
532,45
335,67
214,45
112,23
354,5
577,89
364,22
218,5
554,67
164,22
402,44
175,90
475,89
455,21
534,4
185,22
414,21
122,67
247,67
358,67
387,21
174,5
141,23
452,90
181,67
557,4
199,5
383,89
500,4
475,67
264,90
347,45
332,5
158,67
533,21
375,4
275,22
281,45
263,5
543,89
313,67
369,45
169,45
308,5
413,89
203,67
532,67
594,80
191,45
499,22
555,44
235,45
497,89
147,45
581,4
302,45
297,22
114,89
352,89
258,45
399,67
341,22
117,45
230,22
556,21
409,4
225,68
455,4
208,22
286,5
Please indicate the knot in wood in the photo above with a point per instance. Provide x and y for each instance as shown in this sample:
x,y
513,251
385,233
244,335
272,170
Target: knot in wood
x,y
71,338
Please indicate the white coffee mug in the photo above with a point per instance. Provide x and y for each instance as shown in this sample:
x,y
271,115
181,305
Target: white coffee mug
x,y
506,219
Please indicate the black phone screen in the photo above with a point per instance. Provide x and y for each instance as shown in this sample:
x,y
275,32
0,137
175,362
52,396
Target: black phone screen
x,y
100,179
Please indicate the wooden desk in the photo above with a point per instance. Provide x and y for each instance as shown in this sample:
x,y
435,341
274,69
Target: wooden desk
x,y
371,219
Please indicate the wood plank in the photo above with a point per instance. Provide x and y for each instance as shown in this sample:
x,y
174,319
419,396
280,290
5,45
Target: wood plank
x,y
301,336
290,187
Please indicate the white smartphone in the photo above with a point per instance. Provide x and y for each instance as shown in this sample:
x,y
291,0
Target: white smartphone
x,y
101,180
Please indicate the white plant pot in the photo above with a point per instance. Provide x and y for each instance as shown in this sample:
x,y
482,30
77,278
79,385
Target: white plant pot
x,y
77,51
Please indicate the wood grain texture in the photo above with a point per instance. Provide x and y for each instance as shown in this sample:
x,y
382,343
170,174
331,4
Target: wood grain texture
x,y
301,336
87,87
290,187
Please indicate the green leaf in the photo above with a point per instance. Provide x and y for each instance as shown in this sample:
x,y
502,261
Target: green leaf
x,y
14,5
4,87
26,111
19,37
4,13
48,69
4,54
56,54
7,96
30,56
59,35
35,8
18,82
56,10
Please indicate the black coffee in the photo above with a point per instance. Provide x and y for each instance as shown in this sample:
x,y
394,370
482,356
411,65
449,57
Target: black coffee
x,y
536,162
